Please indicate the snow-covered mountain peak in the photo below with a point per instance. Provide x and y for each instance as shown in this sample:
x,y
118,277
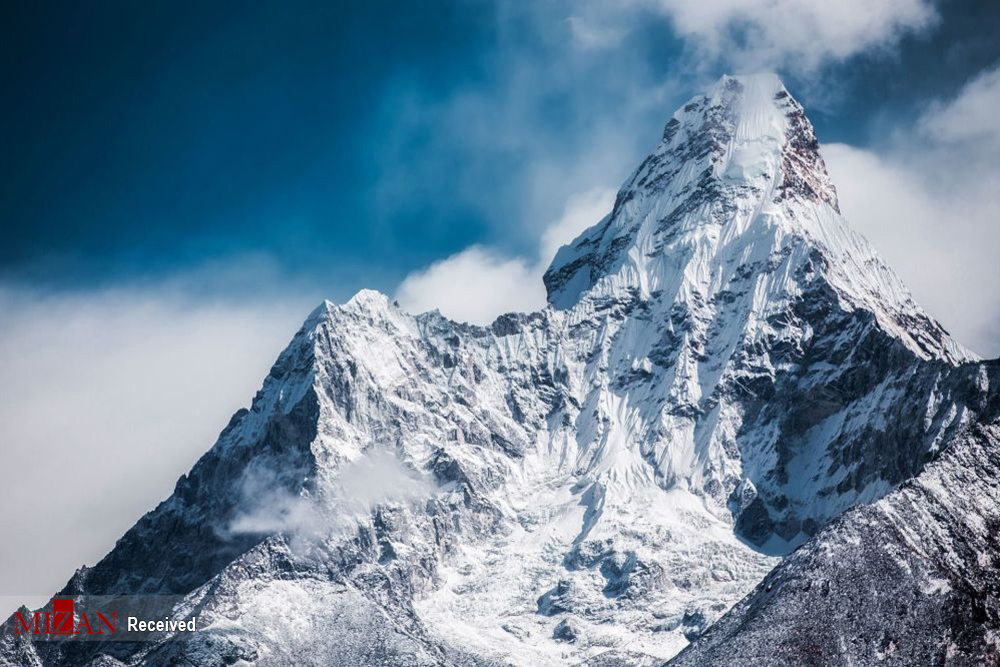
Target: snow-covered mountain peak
x,y
753,104
760,130
730,163
736,198
368,299
723,369
367,303
371,310
756,103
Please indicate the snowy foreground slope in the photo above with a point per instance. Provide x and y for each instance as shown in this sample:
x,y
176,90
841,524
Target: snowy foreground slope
x,y
724,369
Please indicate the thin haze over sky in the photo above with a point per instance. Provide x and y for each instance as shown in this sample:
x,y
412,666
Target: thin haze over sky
x,y
182,184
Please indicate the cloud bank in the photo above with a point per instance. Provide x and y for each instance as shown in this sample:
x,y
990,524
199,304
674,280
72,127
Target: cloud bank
x,y
110,395
474,286
971,119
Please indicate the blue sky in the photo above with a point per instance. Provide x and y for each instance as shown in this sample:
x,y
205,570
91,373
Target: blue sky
x,y
350,144
183,182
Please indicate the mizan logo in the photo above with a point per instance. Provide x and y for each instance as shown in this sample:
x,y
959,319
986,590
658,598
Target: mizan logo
x,y
62,621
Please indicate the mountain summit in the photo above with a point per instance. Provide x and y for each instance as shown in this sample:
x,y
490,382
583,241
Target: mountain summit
x,y
738,172
724,368
746,139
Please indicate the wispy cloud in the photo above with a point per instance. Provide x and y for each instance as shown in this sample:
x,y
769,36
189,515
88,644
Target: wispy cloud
x,y
557,112
359,487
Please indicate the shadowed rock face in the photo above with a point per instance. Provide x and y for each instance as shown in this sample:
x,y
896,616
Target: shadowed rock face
x,y
723,370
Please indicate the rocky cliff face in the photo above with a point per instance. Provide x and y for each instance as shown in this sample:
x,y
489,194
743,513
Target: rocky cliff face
x,y
725,367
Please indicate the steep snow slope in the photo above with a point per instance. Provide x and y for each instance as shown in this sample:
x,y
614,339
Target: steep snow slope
x,y
724,368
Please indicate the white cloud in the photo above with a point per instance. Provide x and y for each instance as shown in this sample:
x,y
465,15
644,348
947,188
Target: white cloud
x,y
478,284
474,286
378,477
108,397
971,117
755,34
931,206
799,34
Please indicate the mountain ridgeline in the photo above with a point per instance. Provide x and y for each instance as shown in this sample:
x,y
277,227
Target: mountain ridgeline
x,y
730,400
